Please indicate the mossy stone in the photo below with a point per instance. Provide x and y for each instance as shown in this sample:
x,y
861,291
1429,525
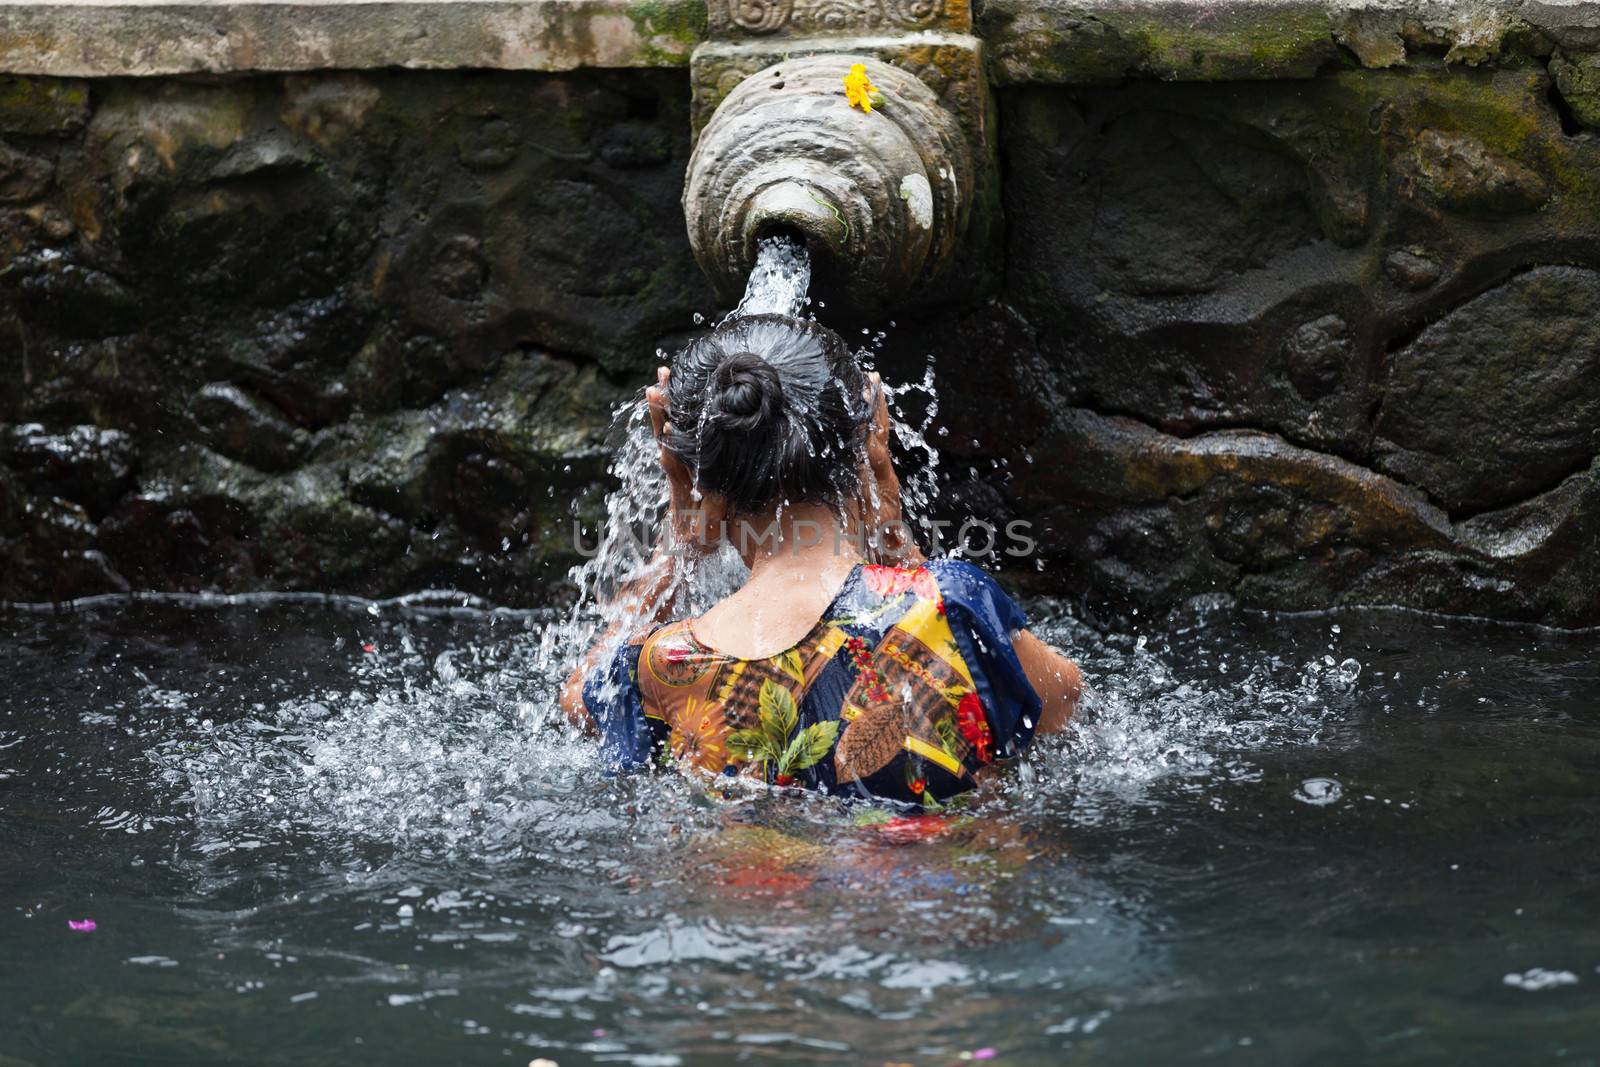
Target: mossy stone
x,y
34,106
1577,78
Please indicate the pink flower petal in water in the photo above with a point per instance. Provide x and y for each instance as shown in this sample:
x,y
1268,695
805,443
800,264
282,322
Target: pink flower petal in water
x,y
83,926
983,1053
369,647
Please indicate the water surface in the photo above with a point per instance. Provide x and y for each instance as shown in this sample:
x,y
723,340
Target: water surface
x,y
349,833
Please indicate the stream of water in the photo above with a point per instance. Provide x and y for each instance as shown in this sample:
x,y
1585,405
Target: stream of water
x,y
278,830
780,281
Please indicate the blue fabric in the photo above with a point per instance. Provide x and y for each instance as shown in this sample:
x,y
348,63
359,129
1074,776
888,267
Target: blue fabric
x,y
611,696
983,620
822,703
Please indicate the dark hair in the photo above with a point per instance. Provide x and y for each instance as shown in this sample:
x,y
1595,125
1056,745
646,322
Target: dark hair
x,y
767,408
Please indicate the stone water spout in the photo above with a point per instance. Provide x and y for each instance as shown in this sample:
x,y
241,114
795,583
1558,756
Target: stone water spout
x,y
880,199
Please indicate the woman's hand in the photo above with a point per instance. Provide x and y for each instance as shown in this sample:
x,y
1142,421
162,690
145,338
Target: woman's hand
x,y
690,524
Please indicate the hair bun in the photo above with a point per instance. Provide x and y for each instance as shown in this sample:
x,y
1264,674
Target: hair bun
x,y
746,393
768,408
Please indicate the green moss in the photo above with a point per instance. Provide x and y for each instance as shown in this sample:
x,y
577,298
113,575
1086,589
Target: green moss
x,y
1509,113
1505,112
1119,42
1578,80
1291,44
680,22
42,105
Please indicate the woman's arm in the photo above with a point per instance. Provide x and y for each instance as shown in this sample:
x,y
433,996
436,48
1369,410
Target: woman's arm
x,y
651,597
1055,678
650,594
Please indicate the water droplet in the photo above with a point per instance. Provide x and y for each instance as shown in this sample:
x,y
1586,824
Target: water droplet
x,y
1319,792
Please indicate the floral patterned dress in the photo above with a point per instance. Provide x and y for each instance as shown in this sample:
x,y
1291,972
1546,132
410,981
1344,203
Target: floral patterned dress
x,y
905,687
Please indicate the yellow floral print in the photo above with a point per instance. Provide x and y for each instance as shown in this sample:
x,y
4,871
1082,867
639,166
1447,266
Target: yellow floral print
x,y
701,737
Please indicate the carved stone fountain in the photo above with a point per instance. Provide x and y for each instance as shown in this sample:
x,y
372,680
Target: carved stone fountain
x,y
884,200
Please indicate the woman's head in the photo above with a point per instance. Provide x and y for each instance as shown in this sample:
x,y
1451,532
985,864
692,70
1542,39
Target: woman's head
x,y
768,409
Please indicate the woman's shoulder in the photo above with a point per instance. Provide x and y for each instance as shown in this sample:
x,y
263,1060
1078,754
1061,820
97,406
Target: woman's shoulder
x,y
670,656
631,654
961,583
976,591
648,663
964,580
960,573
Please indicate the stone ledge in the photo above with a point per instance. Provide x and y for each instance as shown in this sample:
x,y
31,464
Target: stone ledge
x,y
1100,41
117,38
1048,41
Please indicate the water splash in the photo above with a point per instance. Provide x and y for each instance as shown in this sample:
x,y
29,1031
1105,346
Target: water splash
x,y
919,479
1191,708
428,741
636,509
633,519
446,737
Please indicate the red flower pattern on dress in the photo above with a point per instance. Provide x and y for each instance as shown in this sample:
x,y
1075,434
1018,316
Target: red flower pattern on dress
x,y
974,726
892,581
861,656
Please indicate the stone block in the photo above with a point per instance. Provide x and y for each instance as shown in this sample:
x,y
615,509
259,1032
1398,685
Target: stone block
x,y
1500,399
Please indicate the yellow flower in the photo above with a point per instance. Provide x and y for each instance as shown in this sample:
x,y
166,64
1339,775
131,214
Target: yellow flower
x,y
859,90
700,737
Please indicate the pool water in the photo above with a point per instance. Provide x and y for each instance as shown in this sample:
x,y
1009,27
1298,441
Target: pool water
x,y
336,833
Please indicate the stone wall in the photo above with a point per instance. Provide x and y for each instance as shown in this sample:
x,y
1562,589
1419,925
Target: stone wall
x,y
1328,335
355,332
1307,342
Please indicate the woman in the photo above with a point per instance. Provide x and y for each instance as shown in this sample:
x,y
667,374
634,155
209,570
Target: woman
x,y
901,679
